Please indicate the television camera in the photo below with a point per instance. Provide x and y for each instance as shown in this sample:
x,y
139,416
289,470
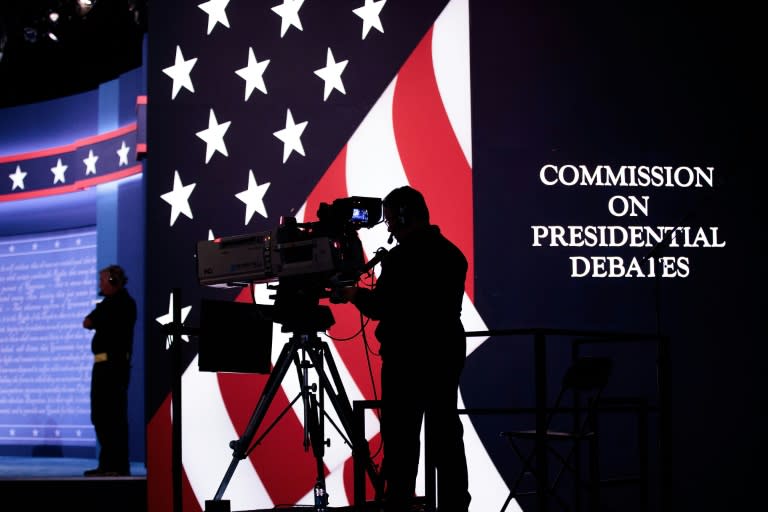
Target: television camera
x,y
309,260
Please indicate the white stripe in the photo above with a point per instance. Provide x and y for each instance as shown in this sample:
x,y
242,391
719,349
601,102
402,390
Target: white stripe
x,y
450,59
374,168
373,161
472,321
207,431
373,164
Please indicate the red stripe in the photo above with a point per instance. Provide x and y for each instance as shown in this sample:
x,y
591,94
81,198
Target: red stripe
x,y
106,178
288,472
430,152
159,460
332,186
363,367
348,475
160,491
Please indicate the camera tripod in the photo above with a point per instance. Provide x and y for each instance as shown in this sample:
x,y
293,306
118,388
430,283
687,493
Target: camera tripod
x,y
308,343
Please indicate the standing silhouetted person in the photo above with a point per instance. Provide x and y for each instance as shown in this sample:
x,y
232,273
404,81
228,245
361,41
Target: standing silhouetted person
x,y
417,301
112,321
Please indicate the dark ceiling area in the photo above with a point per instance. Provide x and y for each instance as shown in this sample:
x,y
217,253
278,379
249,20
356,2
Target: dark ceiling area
x,y
55,48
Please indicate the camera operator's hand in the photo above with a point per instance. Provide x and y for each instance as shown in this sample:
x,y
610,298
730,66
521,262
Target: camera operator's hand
x,y
344,294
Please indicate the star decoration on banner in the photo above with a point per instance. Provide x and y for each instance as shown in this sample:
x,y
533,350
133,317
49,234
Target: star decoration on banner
x,y
180,73
331,75
215,9
178,198
123,154
289,12
253,198
168,318
370,15
291,136
253,74
18,178
58,172
90,163
213,136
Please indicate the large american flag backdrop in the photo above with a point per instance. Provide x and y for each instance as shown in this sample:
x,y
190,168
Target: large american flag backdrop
x,y
259,110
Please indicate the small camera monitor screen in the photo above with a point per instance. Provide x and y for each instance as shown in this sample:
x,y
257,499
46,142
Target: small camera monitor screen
x,y
359,215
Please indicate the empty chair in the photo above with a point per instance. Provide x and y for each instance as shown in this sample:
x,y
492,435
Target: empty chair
x,y
571,422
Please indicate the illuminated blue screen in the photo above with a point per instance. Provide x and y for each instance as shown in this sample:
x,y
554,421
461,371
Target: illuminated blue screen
x,y
47,286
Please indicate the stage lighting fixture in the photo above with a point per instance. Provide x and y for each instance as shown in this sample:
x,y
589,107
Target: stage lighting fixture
x,y
84,6
49,36
53,21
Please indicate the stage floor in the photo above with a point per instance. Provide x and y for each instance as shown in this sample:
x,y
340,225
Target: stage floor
x,y
54,467
57,483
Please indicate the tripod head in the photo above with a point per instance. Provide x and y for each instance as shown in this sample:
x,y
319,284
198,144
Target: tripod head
x,y
297,305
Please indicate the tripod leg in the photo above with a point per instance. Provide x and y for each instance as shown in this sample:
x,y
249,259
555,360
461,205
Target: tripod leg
x,y
341,403
307,402
318,450
315,433
239,446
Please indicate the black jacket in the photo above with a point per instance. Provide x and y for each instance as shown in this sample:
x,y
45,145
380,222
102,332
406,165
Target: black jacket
x,y
417,298
113,323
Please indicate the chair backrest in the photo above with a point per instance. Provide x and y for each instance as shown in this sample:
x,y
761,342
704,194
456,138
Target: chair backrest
x,y
584,380
588,374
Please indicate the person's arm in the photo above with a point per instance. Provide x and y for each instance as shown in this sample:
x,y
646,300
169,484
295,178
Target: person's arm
x,y
91,319
364,299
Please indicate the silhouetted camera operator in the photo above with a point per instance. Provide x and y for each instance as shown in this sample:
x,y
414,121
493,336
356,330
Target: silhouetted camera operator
x,y
417,301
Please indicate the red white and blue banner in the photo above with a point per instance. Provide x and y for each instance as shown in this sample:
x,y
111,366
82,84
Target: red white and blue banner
x,y
85,163
270,111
